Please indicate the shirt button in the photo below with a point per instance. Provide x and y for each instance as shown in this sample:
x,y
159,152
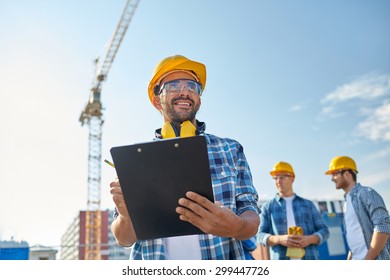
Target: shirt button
x,y
223,173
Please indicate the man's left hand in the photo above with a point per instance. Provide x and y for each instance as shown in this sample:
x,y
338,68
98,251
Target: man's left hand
x,y
212,218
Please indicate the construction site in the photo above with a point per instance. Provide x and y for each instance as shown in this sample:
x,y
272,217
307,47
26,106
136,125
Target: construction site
x,y
88,236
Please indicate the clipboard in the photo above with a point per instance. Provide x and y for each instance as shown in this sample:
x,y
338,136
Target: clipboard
x,y
155,175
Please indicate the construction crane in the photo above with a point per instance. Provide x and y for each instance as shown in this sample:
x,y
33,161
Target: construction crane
x,y
92,115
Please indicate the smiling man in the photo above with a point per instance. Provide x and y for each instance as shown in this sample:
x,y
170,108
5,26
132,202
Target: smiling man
x,y
178,98
366,218
175,90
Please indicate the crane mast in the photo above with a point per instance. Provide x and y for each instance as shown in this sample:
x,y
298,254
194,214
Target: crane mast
x,y
92,115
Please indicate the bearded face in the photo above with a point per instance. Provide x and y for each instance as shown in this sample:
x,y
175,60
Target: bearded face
x,y
340,181
180,104
179,108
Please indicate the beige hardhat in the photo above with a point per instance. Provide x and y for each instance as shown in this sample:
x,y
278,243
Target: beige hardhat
x,y
174,64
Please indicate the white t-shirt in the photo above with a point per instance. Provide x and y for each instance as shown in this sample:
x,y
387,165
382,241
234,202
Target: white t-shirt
x,y
355,237
184,247
290,215
290,212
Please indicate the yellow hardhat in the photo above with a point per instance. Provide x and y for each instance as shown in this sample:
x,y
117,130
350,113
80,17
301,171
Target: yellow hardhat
x,y
280,167
173,64
340,163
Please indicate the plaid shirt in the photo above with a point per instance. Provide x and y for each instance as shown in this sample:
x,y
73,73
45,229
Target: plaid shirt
x,y
274,222
232,186
372,215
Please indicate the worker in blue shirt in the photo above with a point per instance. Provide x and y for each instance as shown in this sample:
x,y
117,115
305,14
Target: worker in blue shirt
x,y
367,221
175,90
288,210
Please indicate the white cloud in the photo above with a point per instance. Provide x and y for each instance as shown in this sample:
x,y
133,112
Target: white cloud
x,y
377,124
362,95
366,87
299,107
375,178
330,112
377,155
295,108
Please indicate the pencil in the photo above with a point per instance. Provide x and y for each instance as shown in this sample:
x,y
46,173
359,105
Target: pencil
x,y
109,163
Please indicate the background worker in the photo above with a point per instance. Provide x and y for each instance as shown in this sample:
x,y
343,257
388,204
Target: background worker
x,y
285,210
175,90
367,220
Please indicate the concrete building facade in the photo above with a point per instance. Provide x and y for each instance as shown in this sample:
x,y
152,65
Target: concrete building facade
x,y
40,252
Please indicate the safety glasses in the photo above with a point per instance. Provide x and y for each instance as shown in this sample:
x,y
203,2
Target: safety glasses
x,y
280,177
338,173
175,87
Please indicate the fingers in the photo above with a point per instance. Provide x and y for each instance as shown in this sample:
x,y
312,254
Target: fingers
x,y
191,211
188,216
196,210
115,187
199,199
296,241
213,218
287,240
115,183
196,206
195,200
117,195
304,241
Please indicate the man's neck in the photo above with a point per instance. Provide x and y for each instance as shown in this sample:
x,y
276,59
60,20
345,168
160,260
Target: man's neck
x,y
286,195
178,123
349,187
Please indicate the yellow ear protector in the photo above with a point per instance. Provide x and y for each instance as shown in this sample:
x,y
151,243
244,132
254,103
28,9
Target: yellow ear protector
x,y
187,129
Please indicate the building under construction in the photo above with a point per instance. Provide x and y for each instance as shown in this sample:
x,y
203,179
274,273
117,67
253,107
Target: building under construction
x,y
74,242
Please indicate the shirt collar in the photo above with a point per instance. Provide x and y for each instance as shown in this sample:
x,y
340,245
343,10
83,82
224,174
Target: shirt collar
x,y
353,191
279,198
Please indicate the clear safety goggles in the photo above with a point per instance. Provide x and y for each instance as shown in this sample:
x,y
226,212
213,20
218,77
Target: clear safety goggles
x,y
175,87
340,172
281,177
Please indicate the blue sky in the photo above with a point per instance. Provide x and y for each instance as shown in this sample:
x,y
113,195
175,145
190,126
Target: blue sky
x,y
298,81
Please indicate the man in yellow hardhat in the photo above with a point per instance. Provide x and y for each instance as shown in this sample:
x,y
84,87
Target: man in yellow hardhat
x,y
366,218
289,213
175,90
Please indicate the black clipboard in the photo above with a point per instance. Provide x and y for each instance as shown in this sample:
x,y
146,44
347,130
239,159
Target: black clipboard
x,y
154,175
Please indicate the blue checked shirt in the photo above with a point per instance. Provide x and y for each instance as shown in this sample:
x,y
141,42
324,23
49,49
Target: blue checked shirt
x,y
372,215
232,186
249,246
273,221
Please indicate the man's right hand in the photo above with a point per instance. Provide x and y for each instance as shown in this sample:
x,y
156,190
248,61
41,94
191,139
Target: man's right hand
x,y
122,227
117,197
285,240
